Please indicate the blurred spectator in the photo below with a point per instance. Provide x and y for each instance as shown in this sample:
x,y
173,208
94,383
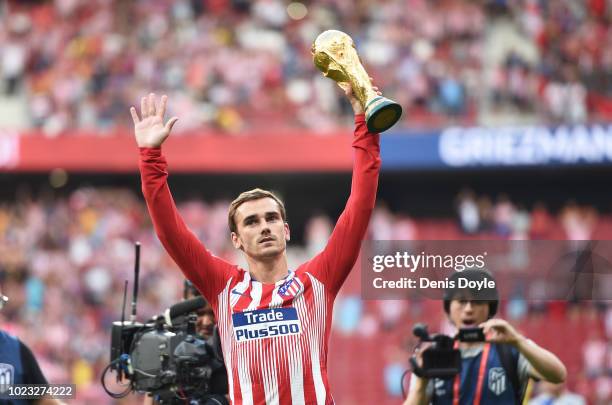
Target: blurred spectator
x,y
239,65
382,223
520,224
578,222
469,217
503,214
404,230
517,308
389,314
451,94
541,221
318,231
565,100
485,210
556,394
594,354
603,390
515,84
395,366
351,308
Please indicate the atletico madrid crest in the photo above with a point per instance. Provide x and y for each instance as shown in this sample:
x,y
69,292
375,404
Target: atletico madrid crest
x,y
291,288
497,380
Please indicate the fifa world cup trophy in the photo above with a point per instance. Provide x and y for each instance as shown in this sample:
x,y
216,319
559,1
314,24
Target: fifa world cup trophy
x,y
335,55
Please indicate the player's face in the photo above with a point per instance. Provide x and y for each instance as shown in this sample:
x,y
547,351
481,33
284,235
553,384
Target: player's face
x,y
262,232
467,313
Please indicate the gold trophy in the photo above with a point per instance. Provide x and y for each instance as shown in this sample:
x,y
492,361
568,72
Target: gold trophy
x,y
335,55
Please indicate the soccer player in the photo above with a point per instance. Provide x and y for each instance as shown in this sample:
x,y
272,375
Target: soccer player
x,y
274,321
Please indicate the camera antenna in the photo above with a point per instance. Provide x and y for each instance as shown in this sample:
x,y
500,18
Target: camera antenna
x,y
125,285
123,306
186,285
136,274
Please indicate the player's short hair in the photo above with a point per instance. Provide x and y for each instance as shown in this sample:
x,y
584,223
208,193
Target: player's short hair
x,y
255,194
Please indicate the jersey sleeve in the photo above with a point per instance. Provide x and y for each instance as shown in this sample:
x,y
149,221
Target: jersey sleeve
x,y
206,271
31,370
334,263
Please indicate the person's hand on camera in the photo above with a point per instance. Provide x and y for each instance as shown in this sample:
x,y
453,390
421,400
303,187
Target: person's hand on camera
x,y
544,365
418,385
150,129
500,331
418,352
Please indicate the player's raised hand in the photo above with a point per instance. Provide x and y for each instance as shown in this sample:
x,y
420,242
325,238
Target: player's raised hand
x,y
355,103
150,129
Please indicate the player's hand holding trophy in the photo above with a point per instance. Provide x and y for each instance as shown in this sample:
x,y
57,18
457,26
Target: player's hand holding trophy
x,y
335,55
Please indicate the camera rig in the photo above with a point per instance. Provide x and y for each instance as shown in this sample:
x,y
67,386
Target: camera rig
x,y
442,359
164,356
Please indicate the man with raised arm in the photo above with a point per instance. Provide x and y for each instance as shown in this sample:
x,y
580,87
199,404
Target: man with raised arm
x,y
274,321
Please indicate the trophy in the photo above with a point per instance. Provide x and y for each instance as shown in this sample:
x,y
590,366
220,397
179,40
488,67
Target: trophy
x,y
335,55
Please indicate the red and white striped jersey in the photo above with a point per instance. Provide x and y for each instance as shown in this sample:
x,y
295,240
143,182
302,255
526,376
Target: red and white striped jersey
x,y
274,336
277,340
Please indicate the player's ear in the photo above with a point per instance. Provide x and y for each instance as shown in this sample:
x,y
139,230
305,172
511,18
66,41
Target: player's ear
x,y
236,241
287,232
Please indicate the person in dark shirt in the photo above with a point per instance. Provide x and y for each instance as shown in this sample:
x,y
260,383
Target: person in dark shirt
x,y
485,377
19,366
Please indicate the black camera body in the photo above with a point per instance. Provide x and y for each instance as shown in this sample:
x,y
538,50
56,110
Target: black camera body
x,y
165,357
169,361
442,359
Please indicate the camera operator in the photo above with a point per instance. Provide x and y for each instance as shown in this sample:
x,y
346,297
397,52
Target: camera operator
x,y
205,330
19,366
206,317
495,371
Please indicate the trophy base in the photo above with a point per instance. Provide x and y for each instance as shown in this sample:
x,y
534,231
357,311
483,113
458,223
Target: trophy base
x,y
381,114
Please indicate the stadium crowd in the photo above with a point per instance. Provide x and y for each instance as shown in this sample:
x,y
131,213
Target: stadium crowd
x,y
238,65
63,262
501,218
